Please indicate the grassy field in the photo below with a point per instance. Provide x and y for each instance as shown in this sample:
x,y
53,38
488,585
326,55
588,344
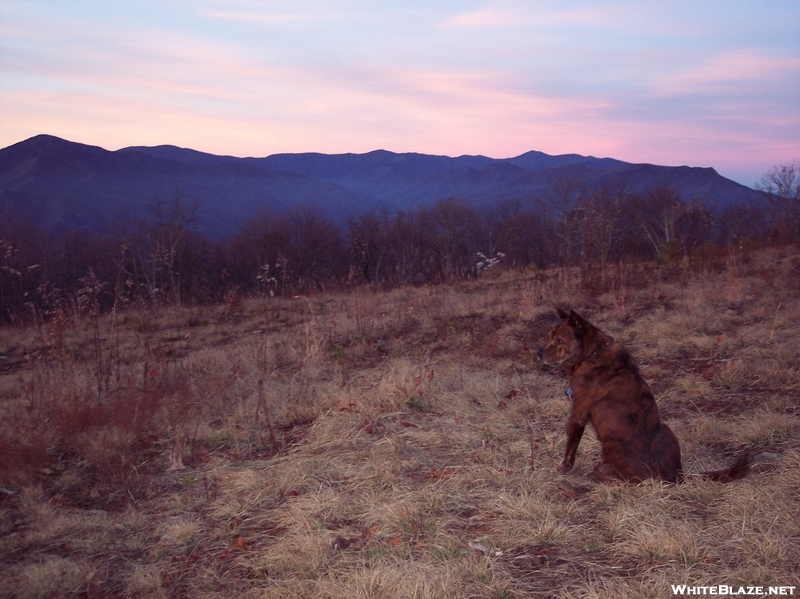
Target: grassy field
x,y
398,444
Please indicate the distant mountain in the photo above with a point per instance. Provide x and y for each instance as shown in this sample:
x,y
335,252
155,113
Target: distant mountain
x,y
65,185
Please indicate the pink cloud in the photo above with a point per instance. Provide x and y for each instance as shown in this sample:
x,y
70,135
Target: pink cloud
x,y
729,67
505,14
258,17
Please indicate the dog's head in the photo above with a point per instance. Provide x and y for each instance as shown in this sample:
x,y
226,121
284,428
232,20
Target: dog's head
x,y
566,343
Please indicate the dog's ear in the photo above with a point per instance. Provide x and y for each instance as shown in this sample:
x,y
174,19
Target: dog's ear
x,y
561,314
578,324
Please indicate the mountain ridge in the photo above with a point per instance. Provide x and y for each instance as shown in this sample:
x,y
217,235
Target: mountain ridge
x,y
63,184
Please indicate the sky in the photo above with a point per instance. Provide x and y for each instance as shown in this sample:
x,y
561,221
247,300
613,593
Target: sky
x,y
700,82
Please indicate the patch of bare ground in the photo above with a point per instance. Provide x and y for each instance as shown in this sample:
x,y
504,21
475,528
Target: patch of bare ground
x,y
400,443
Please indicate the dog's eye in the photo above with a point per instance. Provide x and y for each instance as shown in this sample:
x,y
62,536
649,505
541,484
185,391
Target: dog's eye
x,y
559,341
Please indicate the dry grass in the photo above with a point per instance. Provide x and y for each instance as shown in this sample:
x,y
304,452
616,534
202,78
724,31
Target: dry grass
x,y
404,444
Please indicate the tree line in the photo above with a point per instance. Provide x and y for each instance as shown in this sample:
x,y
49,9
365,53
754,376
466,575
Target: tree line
x,y
164,258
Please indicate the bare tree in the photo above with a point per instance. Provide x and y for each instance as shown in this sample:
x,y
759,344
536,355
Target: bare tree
x,y
523,234
159,248
741,222
660,209
25,265
782,184
569,190
314,248
404,249
258,249
694,222
600,223
450,228
368,246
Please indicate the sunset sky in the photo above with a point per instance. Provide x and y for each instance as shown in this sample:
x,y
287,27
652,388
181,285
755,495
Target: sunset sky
x,y
700,82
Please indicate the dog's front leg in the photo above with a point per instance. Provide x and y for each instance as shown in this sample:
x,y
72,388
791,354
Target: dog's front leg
x,y
574,434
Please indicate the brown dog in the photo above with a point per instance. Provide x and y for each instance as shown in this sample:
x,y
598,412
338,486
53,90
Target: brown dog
x,y
608,391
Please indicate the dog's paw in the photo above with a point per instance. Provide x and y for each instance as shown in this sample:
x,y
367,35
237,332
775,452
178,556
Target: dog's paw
x,y
565,467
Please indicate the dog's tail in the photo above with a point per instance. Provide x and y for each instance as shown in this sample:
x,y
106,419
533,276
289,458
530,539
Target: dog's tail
x,y
735,471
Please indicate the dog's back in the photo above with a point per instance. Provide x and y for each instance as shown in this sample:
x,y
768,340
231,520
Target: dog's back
x,y
636,445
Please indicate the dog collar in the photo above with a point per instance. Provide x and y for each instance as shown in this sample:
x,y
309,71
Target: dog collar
x,y
569,392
